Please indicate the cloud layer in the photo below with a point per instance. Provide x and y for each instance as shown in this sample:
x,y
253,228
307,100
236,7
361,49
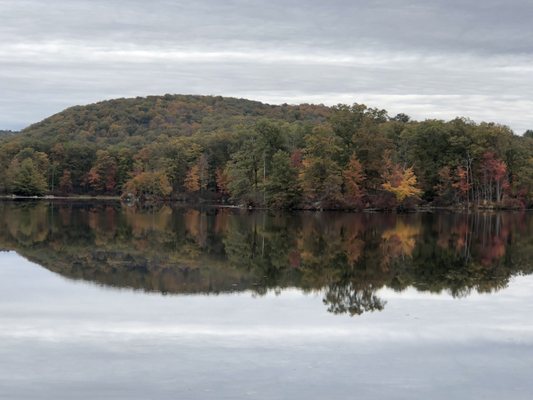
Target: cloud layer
x,y
437,59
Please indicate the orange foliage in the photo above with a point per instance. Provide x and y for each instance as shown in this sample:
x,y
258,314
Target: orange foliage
x,y
192,180
65,183
353,178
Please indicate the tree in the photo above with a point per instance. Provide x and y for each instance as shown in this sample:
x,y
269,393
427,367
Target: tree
x,y
462,182
282,189
270,141
524,182
197,176
427,147
65,183
347,120
124,159
493,177
243,169
192,180
320,175
400,181
95,180
353,176
148,186
26,179
401,117
222,181
102,177
445,188
78,159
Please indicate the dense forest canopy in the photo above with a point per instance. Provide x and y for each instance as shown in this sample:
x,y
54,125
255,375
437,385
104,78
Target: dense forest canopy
x,y
281,156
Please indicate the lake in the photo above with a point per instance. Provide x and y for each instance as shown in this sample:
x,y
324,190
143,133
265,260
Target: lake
x,y
101,301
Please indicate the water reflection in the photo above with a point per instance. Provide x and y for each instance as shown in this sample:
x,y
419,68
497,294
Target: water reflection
x,y
346,257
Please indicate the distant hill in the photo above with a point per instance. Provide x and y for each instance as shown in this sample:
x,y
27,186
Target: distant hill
x,y
4,133
142,119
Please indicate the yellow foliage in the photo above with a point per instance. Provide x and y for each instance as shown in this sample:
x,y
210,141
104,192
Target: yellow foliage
x,y
402,184
399,242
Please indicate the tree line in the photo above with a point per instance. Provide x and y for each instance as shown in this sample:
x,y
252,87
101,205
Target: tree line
x,y
248,153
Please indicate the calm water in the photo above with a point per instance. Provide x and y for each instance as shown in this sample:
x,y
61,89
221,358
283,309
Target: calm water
x,y
104,302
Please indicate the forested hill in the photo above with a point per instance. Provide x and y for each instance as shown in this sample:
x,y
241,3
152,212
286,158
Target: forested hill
x,y
140,120
284,156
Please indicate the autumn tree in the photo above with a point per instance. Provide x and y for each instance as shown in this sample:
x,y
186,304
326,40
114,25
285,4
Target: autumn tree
x,y
197,177
353,177
462,183
65,183
102,177
445,187
192,180
148,186
400,181
493,177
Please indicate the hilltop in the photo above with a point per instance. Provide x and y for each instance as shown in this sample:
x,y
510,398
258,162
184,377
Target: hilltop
x,y
134,121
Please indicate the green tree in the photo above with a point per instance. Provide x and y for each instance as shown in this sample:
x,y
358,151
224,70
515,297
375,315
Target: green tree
x,y
243,171
282,188
26,179
321,176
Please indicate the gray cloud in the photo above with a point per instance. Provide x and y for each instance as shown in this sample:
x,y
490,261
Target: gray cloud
x,y
430,59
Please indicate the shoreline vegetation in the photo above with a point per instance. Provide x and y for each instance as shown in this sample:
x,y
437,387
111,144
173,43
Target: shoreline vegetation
x,y
242,153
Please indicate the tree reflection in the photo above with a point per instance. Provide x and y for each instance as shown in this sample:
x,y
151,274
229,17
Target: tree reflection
x,y
347,258
345,298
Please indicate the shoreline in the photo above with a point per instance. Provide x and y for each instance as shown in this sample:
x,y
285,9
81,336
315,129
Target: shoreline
x,y
80,197
423,209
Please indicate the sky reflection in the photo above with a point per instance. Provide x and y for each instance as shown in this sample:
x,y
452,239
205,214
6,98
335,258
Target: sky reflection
x,y
76,339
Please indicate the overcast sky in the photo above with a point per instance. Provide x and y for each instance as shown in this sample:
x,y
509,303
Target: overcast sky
x,y
429,59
